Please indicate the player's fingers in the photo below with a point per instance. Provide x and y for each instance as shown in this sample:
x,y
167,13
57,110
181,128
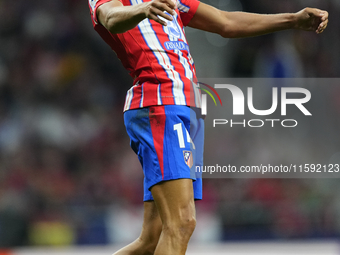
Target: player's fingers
x,y
169,10
163,6
324,19
164,15
159,13
322,27
322,14
157,19
314,12
169,3
326,22
323,24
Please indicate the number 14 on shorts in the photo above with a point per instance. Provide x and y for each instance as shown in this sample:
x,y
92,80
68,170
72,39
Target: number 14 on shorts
x,y
179,129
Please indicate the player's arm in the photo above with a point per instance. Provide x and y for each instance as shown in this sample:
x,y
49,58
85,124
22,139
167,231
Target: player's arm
x,y
243,24
118,18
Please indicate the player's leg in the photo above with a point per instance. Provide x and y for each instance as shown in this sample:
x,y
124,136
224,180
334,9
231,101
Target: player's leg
x,y
146,243
175,203
159,136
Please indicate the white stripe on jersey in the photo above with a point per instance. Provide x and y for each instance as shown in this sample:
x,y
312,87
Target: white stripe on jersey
x,y
159,101
152,41
142,99
128,98
182,7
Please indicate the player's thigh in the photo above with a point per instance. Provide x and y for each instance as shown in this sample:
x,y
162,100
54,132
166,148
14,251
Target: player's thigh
x,y
175,200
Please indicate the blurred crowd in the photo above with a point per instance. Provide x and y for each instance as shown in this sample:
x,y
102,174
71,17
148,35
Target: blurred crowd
x,y
292,53
67,173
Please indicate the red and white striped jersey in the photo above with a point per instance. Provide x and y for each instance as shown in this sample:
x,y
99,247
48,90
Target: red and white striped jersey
x,y
156,56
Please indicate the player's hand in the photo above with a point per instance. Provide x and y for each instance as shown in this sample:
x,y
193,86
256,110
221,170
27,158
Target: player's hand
x,y
311,19
157,8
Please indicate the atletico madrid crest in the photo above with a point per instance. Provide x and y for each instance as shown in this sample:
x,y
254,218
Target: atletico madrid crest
x,y
188,158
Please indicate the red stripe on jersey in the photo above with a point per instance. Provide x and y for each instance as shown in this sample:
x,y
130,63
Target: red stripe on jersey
x,y
151,93
157,123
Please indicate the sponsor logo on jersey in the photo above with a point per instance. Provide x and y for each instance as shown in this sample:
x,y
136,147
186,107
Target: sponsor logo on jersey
x,y
188,158
176,45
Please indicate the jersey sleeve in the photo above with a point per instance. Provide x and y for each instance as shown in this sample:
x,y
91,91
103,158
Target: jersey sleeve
x,y
93,5
187,9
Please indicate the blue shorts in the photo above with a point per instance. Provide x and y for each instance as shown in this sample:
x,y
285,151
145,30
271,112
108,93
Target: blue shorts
x,y
168,140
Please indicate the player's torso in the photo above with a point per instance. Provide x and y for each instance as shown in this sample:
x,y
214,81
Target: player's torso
x,y
162,49
157,57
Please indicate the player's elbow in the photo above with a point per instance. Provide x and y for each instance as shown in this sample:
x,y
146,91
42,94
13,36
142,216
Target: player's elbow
x,y
227,34
223,25
227,31
111,24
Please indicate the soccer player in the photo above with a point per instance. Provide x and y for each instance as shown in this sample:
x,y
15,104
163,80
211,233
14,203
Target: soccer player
x,y
166,131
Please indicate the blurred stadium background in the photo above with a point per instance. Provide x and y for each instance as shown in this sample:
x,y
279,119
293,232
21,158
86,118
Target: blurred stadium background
x,y
67,174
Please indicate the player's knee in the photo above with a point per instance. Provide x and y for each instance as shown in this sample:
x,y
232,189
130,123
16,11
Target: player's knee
x,y
182,228
189,225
